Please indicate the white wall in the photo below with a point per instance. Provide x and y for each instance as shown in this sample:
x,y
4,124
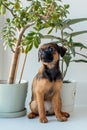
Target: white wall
x,y
1,46
78,9
77,72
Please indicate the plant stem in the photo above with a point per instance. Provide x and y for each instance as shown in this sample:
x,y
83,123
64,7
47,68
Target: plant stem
x,y
81,54
64,74
62,45
16,55
8,9
14,66
62,66
23,68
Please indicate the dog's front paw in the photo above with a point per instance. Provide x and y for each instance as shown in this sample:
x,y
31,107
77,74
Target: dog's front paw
x,y
62,118
43,120
65,114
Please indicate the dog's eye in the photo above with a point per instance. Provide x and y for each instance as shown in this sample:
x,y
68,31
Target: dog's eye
x,y
50,49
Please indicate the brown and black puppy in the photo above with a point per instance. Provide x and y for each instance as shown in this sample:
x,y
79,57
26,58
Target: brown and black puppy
x,y
47,84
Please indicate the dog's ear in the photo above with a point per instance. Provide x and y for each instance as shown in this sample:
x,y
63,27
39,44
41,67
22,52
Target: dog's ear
x,y
39,55
62,50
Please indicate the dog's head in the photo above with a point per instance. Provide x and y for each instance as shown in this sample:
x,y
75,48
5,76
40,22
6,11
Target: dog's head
x,y
50,53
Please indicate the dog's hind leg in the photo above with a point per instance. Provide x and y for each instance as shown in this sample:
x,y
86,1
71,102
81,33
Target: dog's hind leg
x,y
34,110
32,115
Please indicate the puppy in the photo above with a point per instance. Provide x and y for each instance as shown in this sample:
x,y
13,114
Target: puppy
x,y
47,84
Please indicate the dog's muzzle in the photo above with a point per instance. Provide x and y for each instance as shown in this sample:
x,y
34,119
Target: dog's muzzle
x,y
47,55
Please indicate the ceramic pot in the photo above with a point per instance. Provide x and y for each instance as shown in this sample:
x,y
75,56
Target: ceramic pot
x,y
68,93
12,99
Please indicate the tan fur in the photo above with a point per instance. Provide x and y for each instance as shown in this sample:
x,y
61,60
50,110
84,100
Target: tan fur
x,y
46,96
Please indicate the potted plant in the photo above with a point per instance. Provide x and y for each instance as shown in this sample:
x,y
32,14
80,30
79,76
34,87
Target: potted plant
x,y
17,34
64,35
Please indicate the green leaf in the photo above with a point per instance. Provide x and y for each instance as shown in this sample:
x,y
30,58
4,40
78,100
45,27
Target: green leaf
x,y
73,51
36,41
3,9
35,44
77,33
85,56
31,33
41,35
66,6
8,20
80,60
67,59
0,2
78,44
17,5
22,50
74,21
28,48
51,37
50,31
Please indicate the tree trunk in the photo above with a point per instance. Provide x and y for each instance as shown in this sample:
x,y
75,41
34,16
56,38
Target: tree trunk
x,y
15,60
16,55
14,66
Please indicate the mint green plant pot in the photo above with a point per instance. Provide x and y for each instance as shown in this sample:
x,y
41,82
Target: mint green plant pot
x,y
12,99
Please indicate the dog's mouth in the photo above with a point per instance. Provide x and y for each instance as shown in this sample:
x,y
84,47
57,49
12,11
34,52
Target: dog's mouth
x,y
47,58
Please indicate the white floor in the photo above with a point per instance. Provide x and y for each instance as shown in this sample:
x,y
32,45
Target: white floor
x,y
77,121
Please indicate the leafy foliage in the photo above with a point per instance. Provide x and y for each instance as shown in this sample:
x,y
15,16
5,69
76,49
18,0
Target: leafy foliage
x,y
41,14
66,39
32,39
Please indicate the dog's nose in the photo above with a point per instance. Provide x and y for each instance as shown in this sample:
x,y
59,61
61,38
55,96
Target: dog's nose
x,y
46,53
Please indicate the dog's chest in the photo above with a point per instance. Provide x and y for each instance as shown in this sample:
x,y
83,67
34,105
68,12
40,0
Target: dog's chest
x,y
52,74
48,95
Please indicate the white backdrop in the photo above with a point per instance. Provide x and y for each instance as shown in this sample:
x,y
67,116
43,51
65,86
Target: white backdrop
x,y
77,72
